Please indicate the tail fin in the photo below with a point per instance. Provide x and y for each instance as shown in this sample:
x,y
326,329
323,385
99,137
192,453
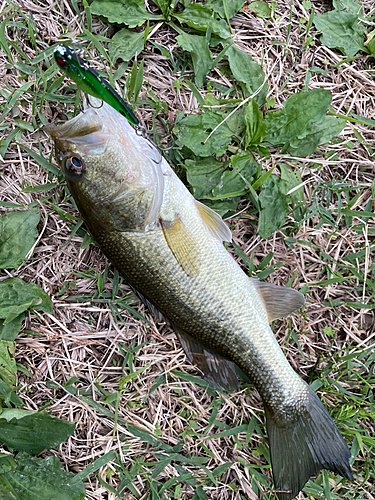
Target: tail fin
x,y
301,448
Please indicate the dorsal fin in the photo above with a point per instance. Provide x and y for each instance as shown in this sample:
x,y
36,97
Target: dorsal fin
x,y
182,244
279,301
217,371
214,222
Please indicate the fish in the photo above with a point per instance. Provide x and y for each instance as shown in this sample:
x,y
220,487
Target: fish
x,y
170,248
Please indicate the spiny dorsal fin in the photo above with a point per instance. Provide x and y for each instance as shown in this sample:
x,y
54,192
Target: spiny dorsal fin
x,y
217,371
182,244
279,301
214,222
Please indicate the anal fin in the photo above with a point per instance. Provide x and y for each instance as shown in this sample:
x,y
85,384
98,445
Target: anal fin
x,y
155,313
217,371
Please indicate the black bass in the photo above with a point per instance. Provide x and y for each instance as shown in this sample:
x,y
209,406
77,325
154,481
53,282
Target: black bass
x,y
169,248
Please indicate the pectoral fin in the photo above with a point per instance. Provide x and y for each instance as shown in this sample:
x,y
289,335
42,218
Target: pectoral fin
x,y
218,371
182,244
279,301
214,222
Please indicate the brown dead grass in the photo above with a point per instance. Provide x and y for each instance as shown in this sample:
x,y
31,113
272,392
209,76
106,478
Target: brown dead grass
x,y
81,340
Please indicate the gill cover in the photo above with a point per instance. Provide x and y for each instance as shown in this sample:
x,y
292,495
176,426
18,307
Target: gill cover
x,y
122,186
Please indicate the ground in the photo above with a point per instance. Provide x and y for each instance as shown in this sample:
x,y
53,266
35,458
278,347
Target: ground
x,y
329,343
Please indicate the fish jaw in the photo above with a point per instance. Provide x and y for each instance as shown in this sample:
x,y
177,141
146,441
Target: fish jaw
x,y
84,133
122,183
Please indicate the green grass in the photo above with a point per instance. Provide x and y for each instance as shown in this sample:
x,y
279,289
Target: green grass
x,y
297,188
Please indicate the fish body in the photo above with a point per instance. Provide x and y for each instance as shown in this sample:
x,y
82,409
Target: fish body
x,y
169,248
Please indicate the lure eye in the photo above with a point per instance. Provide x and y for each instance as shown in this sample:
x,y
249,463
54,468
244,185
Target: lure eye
x,y
74,166
60,61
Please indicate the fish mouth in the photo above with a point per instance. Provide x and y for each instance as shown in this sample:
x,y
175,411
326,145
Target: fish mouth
x,y
85,131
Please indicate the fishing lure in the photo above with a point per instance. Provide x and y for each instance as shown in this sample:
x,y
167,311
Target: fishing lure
x,y
92,83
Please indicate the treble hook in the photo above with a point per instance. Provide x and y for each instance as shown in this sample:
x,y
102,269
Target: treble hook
x,y
142,132
91,104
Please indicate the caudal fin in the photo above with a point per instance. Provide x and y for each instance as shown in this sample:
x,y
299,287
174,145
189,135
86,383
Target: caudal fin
x,y
300,449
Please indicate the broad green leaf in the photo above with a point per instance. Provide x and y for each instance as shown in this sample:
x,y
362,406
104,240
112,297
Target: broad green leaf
x,y
6,490
255,124
244,164
166,6
225,7
200,55
320,133
249,72
130,12
348,6
230,186
199,17
7,394
15,135
8,367
222,207
193,131
7,463
300,126
32,432
370,42
12,329
274,205
236,182
341,30
125,45
17,413
203,175
211,181
261,9
39,479
18,234
16,296
329,128
293,179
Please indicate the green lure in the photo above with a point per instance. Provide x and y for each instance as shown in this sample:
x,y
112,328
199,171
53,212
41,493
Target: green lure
x,y
90,81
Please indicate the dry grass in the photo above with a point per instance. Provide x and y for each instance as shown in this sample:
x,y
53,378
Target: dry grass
x,y
82,339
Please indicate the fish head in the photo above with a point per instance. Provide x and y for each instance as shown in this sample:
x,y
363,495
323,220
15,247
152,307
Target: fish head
x,y
113,174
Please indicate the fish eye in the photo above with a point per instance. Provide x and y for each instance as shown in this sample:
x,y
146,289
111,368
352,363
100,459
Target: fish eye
x,y
74,166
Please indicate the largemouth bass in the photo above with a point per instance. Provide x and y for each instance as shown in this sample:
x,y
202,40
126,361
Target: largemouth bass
x,y
169,248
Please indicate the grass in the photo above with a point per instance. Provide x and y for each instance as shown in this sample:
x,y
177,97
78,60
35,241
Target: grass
x,y
146,425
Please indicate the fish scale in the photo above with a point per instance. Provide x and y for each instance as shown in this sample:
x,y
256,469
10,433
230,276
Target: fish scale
x,y
196,310
169,247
